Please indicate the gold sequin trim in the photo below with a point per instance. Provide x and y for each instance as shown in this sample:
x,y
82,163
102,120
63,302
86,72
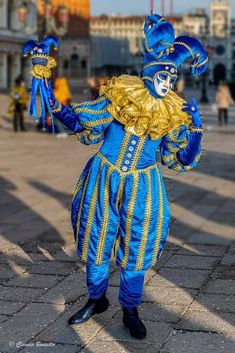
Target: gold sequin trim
x,y
57,110
160,219
186,46
196,129
137,153
78,187
97,122
91,215
90,111
144,237
122,152
105,220
154,63
129,220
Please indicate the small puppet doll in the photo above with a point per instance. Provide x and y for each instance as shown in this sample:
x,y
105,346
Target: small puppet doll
x,y
120,199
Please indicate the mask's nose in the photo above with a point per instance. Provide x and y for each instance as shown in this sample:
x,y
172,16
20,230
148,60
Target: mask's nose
x,y
166,84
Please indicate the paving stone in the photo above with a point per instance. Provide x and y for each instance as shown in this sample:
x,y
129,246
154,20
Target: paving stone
x,y
204,238
118,332
207,321
27,323
10,308
35,281
168,295
203,250
161,312
61,332
20,294
8,271
53,268
68,253
41,347
68,290
118,347
3,318
223,286
189,261
199,342
214,302
228,260
187,278
224,272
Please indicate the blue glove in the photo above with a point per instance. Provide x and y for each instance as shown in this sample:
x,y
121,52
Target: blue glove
x,y
193,110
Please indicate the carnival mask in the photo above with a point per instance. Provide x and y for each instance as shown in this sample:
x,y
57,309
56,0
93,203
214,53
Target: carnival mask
x,y
163,83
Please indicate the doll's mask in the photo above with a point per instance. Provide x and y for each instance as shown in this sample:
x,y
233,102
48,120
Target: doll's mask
x,y
164,82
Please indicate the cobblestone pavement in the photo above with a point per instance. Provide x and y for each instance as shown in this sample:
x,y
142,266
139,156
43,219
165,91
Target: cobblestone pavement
x,y
189,298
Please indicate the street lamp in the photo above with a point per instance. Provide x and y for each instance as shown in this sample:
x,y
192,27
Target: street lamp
x,y
47,24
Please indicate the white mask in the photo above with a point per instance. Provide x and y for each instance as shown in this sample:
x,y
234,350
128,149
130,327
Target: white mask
x,y
163,83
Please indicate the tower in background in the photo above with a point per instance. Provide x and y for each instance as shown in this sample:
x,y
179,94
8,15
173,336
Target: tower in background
x,y
220,18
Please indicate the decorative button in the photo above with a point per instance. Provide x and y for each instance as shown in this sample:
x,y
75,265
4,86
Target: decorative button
x,y
131,148
167,67
127,162
129,155
193,109
172,70
124,169
133,142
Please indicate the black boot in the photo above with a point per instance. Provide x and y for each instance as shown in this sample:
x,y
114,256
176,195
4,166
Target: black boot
x,y
92,307
132,321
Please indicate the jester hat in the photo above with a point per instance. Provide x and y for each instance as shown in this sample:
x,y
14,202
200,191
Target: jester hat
x,y
165,53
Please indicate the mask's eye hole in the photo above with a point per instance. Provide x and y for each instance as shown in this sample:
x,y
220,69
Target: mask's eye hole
x,y
172,81
163,77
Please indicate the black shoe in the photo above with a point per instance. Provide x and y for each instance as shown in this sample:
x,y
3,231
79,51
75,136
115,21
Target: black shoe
x,y
92,307
132,321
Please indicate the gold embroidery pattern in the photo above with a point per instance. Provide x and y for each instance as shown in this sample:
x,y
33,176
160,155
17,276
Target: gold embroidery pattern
x,y
57,110
105,219
186,46
137,153
154,63
129,220
160,219
78,187
93,102
146,224
196,129
81,204
90,111
122,152
91,215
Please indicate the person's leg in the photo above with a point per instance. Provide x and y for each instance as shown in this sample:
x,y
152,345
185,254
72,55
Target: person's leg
x,y
131,288
15,124
226,116
21,118
97,279
97,284
130,294
220,116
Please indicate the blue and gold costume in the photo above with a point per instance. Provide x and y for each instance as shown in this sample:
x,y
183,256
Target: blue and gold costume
x,y
120,200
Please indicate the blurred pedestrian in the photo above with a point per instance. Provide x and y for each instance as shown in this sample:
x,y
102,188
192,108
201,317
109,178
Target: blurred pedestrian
x,y
18,103
180,86
93,85
223,101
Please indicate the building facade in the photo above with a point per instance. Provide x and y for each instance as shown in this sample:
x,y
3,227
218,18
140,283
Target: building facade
x,y
74,52
126,36
12,64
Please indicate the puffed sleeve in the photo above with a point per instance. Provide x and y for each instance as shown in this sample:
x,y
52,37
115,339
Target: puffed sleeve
x,y
181,148
88,119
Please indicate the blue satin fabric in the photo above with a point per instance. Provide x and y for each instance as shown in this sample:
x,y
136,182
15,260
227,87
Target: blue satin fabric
x,y
120,196
187,155
131,284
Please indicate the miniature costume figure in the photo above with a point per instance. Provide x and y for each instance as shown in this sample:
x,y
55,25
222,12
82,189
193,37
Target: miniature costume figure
x,y
120,200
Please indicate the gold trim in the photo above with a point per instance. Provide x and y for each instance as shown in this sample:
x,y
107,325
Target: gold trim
x,y
129,219
144,237
203,62
78,186
57,110
160,220
91,215
90,111
186,46
96,122
122,150
105,219
137,153
154,63
196,129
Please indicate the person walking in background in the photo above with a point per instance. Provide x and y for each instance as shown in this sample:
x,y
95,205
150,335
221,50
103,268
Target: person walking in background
x,y
223,100
18,103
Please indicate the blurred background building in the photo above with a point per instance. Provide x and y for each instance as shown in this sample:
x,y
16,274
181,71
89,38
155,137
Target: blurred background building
x,y
107,44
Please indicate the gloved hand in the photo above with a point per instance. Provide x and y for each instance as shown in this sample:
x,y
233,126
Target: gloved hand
x,y
192,109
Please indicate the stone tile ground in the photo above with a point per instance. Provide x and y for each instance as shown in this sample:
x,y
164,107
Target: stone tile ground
x,y
189,299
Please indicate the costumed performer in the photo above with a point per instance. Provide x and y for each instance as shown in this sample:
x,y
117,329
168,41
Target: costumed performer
x,y
120,200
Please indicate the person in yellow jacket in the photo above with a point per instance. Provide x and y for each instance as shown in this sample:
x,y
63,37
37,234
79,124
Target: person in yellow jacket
x,y
18,103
